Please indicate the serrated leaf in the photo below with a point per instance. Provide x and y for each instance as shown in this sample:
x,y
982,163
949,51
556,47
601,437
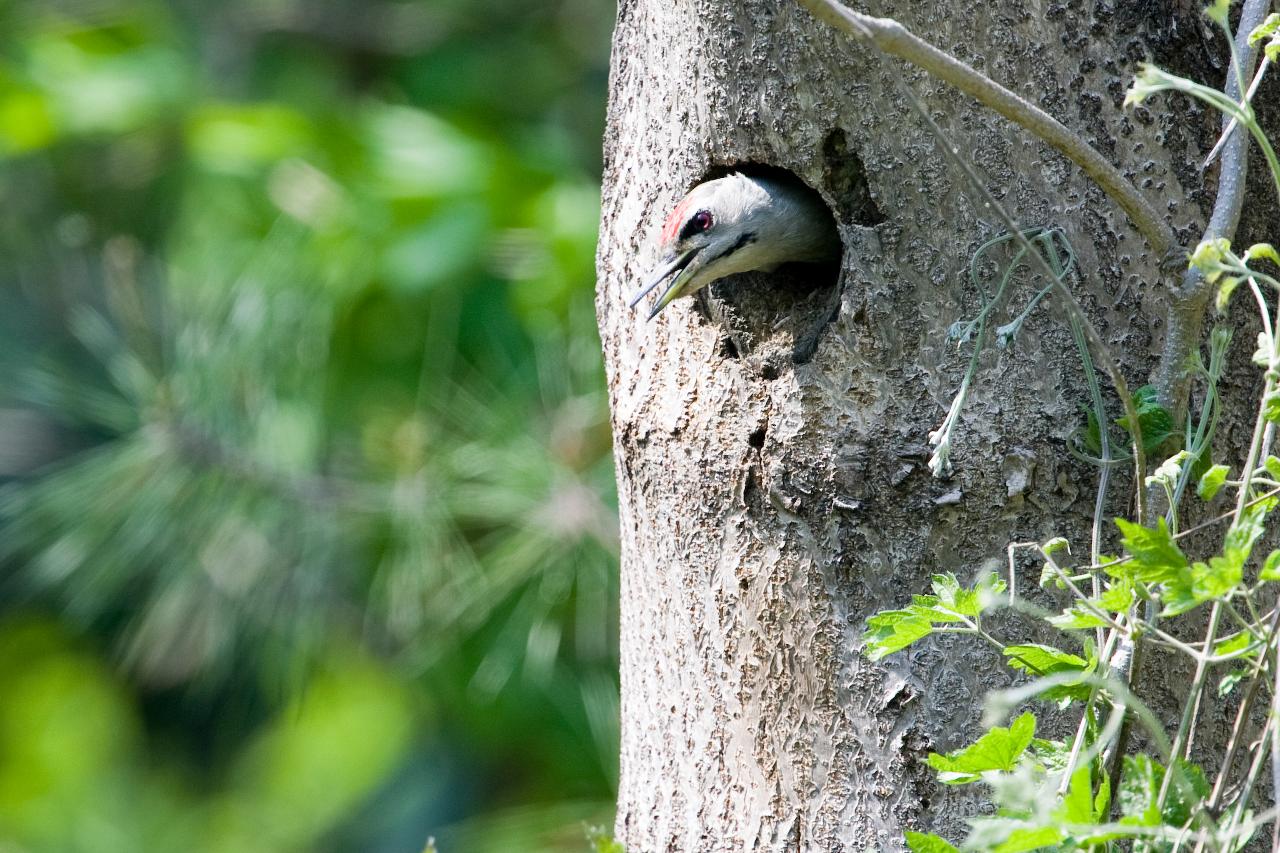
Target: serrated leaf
x,y
1052,754
1211,482
1224,573
1140,789
1040,660
893,630
920,842
1156,557
998,749
1189,788
1155,421
1029,838
967,602
1116,598
890,631
1043,660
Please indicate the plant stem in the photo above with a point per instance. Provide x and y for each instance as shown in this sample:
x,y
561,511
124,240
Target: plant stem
x,y
1188,301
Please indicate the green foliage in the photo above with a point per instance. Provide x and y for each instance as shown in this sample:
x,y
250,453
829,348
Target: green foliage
x,y
919,842
1154,421
894,630
307,338
602,841
1154,556
75,756
1042,660
1212,481
1051,794
998,749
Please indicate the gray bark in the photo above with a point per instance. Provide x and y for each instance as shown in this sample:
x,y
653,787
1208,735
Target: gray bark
x,y
767,508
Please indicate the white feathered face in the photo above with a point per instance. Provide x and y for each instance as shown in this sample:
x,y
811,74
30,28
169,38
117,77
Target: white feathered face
x,y
702,236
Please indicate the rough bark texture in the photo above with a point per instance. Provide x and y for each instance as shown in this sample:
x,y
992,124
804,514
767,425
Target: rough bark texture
x,y
769,507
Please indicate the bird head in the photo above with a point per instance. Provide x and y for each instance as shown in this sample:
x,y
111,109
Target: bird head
x,y
736,224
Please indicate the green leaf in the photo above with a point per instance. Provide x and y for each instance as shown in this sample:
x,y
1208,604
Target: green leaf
x,y
1051,754
1265,29
1272,464
1156,557
1077,805
1261,250
1092,434
1029,838
1226,287
1043,661
1234,643
920,842
1223,574
998,749
1077,618
1116,598
1154,419
1211,482
1271,568
1189,788
1230,680
1217,12
967,602
1057,543
893,630
1140,791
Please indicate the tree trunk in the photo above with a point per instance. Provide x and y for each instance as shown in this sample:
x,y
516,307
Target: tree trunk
x,y
767,506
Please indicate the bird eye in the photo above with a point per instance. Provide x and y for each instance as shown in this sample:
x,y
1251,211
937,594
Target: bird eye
x,y
696,224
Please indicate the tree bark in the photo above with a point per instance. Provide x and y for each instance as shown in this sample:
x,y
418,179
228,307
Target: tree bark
x,y
768,507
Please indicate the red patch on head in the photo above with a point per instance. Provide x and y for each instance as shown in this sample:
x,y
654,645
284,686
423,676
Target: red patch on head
x,y
674,221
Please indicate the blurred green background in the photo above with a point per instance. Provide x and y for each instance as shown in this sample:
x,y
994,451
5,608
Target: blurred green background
x,y
307,538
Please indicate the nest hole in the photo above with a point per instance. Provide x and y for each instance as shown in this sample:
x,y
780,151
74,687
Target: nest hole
x,y
781,315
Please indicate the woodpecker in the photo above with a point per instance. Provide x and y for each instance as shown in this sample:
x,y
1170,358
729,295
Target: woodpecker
x,y
739,224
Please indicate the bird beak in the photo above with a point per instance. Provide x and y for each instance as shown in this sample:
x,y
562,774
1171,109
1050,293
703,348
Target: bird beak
x,y
683,265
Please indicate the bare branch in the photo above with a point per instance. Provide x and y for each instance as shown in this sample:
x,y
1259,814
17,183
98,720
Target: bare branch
x,y
889,36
